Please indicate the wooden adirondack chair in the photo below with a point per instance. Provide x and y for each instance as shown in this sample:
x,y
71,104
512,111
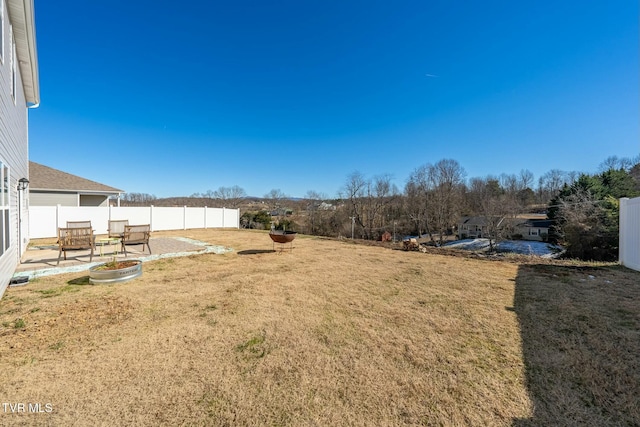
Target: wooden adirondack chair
x,y
116,228
78,224
75,238
136,235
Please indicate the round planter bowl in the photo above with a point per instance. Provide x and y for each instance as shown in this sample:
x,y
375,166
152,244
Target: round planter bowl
x,y
98,276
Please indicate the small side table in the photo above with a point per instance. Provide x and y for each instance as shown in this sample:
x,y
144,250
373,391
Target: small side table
x,y
111,241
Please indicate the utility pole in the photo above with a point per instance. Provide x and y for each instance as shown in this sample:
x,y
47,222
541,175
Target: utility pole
x,y
353,224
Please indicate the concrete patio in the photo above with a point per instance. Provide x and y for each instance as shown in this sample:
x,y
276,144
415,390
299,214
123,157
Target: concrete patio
x,y
42,260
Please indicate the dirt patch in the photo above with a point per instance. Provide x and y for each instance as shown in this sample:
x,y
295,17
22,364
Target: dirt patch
x,y
47,324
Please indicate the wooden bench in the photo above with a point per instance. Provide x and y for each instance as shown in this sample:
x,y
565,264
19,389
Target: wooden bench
x,y
75,238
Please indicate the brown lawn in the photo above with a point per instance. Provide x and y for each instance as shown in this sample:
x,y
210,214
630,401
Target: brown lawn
x,y
332,333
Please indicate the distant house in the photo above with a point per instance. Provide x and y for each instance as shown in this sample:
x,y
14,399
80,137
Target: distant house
x,y
471,227
281,212
475,227
51,187
324,206
19,91
533,229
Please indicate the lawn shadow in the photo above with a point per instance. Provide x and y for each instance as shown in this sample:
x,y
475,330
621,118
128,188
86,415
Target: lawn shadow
x,y
256,251
581,344
58,262
84,280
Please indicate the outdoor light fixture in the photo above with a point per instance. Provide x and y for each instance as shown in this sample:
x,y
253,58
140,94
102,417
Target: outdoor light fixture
x,y
23,183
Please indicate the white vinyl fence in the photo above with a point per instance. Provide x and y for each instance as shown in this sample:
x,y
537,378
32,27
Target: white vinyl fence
x,y
630,233
45,220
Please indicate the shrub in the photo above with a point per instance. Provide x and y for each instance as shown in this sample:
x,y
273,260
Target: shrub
x,y
286,224
263,218
260,220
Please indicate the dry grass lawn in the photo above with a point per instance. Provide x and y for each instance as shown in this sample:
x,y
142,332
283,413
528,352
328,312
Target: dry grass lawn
x,y
332,333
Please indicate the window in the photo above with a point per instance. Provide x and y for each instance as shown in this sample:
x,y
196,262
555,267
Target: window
x,y
1,31
14,59
14,73
5,234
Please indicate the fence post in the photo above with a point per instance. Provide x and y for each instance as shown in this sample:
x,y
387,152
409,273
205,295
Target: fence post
x,y
151,217
224,213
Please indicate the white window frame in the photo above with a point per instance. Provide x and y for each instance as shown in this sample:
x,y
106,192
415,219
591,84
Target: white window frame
x,y
2,31
14,71
5,208
14,74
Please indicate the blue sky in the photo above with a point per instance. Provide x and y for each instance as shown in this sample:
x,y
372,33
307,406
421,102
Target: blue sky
x,y
171,98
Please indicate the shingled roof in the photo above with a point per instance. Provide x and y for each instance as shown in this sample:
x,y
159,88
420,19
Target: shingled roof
x,y
45,178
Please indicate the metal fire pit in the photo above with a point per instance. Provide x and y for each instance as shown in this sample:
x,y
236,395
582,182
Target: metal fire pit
x,y
282,237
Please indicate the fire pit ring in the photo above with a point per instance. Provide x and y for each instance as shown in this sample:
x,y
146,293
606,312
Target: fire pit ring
x,y
282,237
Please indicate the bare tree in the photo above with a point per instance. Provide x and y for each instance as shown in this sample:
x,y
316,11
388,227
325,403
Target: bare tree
x,y
615,162
354,192
231,196
448,182
525,179
381,204
611,162
513,200
509,182
490,201
275,198
416,202
439,188
525,196
137,199
572,176
550,184
313,203
368,200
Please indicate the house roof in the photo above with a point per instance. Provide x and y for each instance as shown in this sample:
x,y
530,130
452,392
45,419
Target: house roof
x,y
45,178
21,15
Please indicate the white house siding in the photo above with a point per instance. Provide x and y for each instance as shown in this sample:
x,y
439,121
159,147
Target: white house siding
x,y
93,200
14,151
47,198
528,233
53,199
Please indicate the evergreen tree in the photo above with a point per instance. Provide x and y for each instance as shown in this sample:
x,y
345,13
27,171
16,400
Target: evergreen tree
x,y
586,214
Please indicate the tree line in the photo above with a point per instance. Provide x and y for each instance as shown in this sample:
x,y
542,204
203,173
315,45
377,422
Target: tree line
x,y
584,207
